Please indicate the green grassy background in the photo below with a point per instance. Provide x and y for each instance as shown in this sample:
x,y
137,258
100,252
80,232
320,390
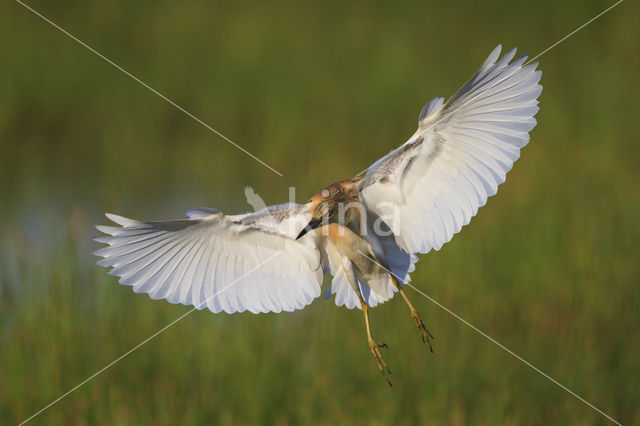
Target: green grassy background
x,y
550,267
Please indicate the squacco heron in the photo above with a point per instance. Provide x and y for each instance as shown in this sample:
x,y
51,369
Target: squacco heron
x,y
365,232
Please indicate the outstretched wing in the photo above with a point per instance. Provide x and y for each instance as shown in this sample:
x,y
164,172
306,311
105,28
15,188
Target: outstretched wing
x,y
211,260
432,185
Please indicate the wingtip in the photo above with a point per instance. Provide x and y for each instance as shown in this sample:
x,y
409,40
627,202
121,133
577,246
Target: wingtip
x,y
493,57
522,59
508,57
121,220
102,261
114,217
105,229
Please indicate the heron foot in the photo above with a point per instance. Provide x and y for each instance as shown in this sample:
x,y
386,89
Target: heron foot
x,y
382,365
424,333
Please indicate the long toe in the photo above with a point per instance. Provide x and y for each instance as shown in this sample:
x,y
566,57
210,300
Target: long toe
x,y
424,333
382,365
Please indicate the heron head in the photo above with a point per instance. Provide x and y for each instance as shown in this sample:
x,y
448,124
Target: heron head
x,y
324,210
331,205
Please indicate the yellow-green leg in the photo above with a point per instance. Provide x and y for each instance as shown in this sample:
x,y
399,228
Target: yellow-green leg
x,y
373,346
424,333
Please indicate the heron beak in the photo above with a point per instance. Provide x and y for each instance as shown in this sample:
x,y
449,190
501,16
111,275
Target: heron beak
x,y
313,224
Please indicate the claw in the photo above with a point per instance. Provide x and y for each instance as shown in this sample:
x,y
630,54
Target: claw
x,y
424,333
382,365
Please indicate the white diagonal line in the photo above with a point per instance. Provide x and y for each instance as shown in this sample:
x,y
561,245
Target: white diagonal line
x,y
149,87
527,63
574,31
491,339
513,354
141,343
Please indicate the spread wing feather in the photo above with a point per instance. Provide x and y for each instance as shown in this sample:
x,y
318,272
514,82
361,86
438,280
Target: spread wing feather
x,y
432,185
223,263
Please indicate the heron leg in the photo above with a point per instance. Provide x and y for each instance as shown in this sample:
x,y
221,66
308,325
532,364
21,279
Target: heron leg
x,y
373,346
415,315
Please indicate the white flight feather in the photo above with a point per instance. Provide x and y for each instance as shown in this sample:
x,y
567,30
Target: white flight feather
x,y
460,154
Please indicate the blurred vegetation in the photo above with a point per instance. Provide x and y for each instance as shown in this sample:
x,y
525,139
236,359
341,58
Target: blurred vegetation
x,y
318,91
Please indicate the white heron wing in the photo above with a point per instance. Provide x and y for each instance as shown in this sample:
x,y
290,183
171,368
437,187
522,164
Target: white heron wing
x,y
432,185
224,263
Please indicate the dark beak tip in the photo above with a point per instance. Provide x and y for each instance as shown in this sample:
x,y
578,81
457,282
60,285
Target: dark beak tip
x,y
313,224
304,232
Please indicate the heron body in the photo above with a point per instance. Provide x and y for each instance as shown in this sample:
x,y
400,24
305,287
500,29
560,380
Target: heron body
x,y
365,232
347,242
